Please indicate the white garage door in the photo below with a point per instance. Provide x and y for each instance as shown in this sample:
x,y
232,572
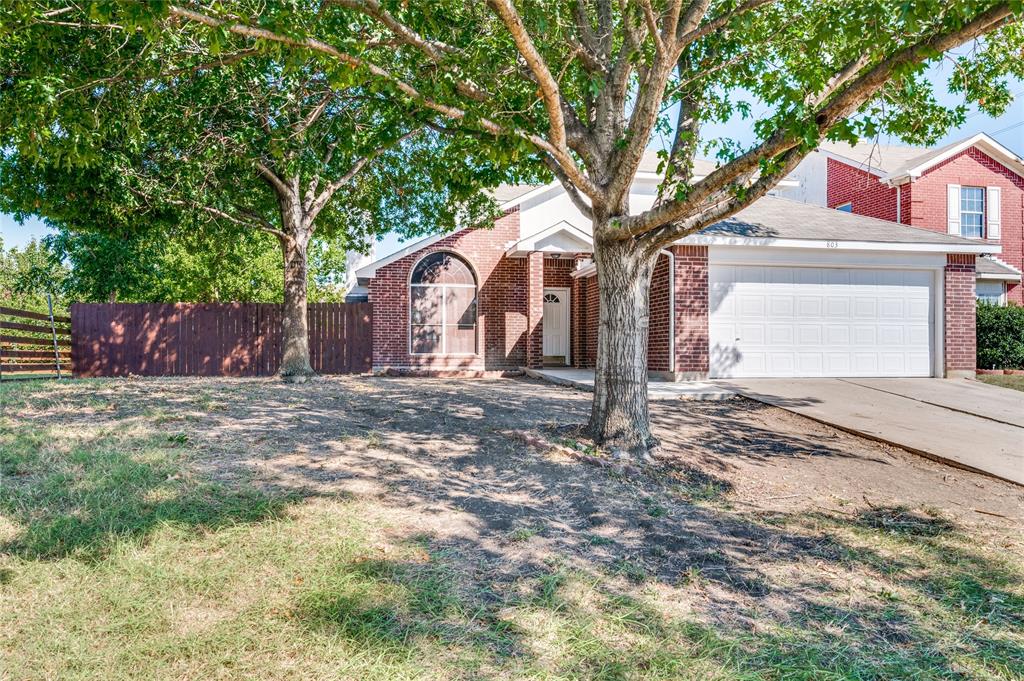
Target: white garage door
x,y
816,321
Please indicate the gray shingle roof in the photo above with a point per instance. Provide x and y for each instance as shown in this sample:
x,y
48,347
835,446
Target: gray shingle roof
x,y
510,192
883,158
648,164
772,217
994,267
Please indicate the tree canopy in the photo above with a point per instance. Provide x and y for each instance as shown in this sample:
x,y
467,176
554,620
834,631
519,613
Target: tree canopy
x,y
583,87
134,129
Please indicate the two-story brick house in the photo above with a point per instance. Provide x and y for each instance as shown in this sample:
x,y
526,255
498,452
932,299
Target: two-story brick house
x,y
973,188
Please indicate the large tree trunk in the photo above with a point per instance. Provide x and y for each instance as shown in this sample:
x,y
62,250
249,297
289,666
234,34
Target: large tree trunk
x,y
620,418
295,364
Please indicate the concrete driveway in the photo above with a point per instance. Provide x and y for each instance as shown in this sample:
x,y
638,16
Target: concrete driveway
x,y
965,423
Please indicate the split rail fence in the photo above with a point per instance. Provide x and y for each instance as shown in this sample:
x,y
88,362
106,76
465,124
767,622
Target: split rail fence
x,y
34,344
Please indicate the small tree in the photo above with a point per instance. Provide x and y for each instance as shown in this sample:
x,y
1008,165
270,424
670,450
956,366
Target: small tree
x,y
185,124
588,85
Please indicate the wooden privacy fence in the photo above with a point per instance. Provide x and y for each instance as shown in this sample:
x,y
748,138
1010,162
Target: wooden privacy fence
x,y
212,339
33,344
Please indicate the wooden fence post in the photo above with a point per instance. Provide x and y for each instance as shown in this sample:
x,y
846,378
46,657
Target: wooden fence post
x,y
53,330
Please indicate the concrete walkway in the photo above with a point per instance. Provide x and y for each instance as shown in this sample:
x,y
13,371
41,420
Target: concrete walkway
x,y
965,423
583,379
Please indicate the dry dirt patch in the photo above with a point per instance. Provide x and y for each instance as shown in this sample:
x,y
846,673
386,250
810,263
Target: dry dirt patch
x,y
757,519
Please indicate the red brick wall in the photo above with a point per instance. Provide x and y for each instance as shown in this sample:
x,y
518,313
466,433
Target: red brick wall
x,y
587,314
906,201
870,197
586,319
558,272
973,168
959,329
501,304
534,310
658,343
691,327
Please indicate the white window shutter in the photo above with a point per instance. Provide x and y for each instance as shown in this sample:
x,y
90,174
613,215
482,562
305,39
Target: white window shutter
x,y
953,208
994,211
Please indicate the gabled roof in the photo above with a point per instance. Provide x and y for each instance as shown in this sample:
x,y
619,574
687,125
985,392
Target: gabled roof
x,y
918,165
877,159
561,237
895,164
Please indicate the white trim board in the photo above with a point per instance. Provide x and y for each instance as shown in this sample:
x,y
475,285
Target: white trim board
x,y
825,244
985,143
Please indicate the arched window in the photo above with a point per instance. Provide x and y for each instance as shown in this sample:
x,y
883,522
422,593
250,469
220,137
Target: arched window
x,y
442,304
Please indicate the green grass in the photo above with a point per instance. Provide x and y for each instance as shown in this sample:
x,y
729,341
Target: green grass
x,y
119,560
1014,382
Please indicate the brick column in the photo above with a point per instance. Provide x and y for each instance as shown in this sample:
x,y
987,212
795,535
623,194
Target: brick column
x,y
534,310
576,313
690,288
959,318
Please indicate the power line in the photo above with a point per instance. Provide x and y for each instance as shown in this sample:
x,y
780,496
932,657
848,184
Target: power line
x,y
1007,128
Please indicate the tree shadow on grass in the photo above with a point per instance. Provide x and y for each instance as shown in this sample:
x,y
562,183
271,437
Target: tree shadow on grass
x,y
769,594
110,489
398,607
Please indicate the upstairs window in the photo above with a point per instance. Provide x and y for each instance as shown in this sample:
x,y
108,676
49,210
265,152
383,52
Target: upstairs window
x,y
845,207
972,212
442,306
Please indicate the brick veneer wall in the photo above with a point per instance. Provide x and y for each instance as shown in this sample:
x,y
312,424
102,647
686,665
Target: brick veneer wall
x,y
959,320
860,188
690,286
501,305
658,342
927,202
587,312
691,327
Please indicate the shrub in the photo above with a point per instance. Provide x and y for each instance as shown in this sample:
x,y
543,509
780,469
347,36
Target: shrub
x,y
1000,336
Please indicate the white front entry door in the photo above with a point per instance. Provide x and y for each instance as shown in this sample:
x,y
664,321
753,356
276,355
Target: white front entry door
x,y
556,323
819,321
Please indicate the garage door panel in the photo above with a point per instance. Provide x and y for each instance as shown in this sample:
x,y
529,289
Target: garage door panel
x,y
865,335
806,321
781,306
837,306
810,363
837,335
918,309
751,305
918,335
809,334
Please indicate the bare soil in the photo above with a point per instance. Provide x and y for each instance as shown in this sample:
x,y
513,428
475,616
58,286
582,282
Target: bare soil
x,y
435,458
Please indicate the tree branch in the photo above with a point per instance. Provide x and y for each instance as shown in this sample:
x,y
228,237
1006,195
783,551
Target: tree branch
x,y
548,85
321,200
849,94
452,112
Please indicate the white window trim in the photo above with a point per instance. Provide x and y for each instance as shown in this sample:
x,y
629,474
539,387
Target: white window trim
x,y
1001,301
444,310
981,213
843,206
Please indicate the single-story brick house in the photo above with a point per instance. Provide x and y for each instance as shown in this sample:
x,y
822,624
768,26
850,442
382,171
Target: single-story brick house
x,y
782,289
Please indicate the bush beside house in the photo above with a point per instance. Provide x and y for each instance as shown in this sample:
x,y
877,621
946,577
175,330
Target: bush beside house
x,y
1000,336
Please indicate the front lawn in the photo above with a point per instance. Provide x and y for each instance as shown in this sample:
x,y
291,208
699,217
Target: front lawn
x,y
1014,382
367,529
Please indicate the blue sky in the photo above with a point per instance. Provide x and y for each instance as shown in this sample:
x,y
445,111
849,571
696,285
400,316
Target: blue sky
x,y
1008,129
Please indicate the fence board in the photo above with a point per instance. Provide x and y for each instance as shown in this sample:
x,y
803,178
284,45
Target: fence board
x,y
25,314
207,339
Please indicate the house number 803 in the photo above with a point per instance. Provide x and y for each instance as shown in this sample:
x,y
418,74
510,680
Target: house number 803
x,y
831,244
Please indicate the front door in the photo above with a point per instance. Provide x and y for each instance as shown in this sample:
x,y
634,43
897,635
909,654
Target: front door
x,y
556,326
